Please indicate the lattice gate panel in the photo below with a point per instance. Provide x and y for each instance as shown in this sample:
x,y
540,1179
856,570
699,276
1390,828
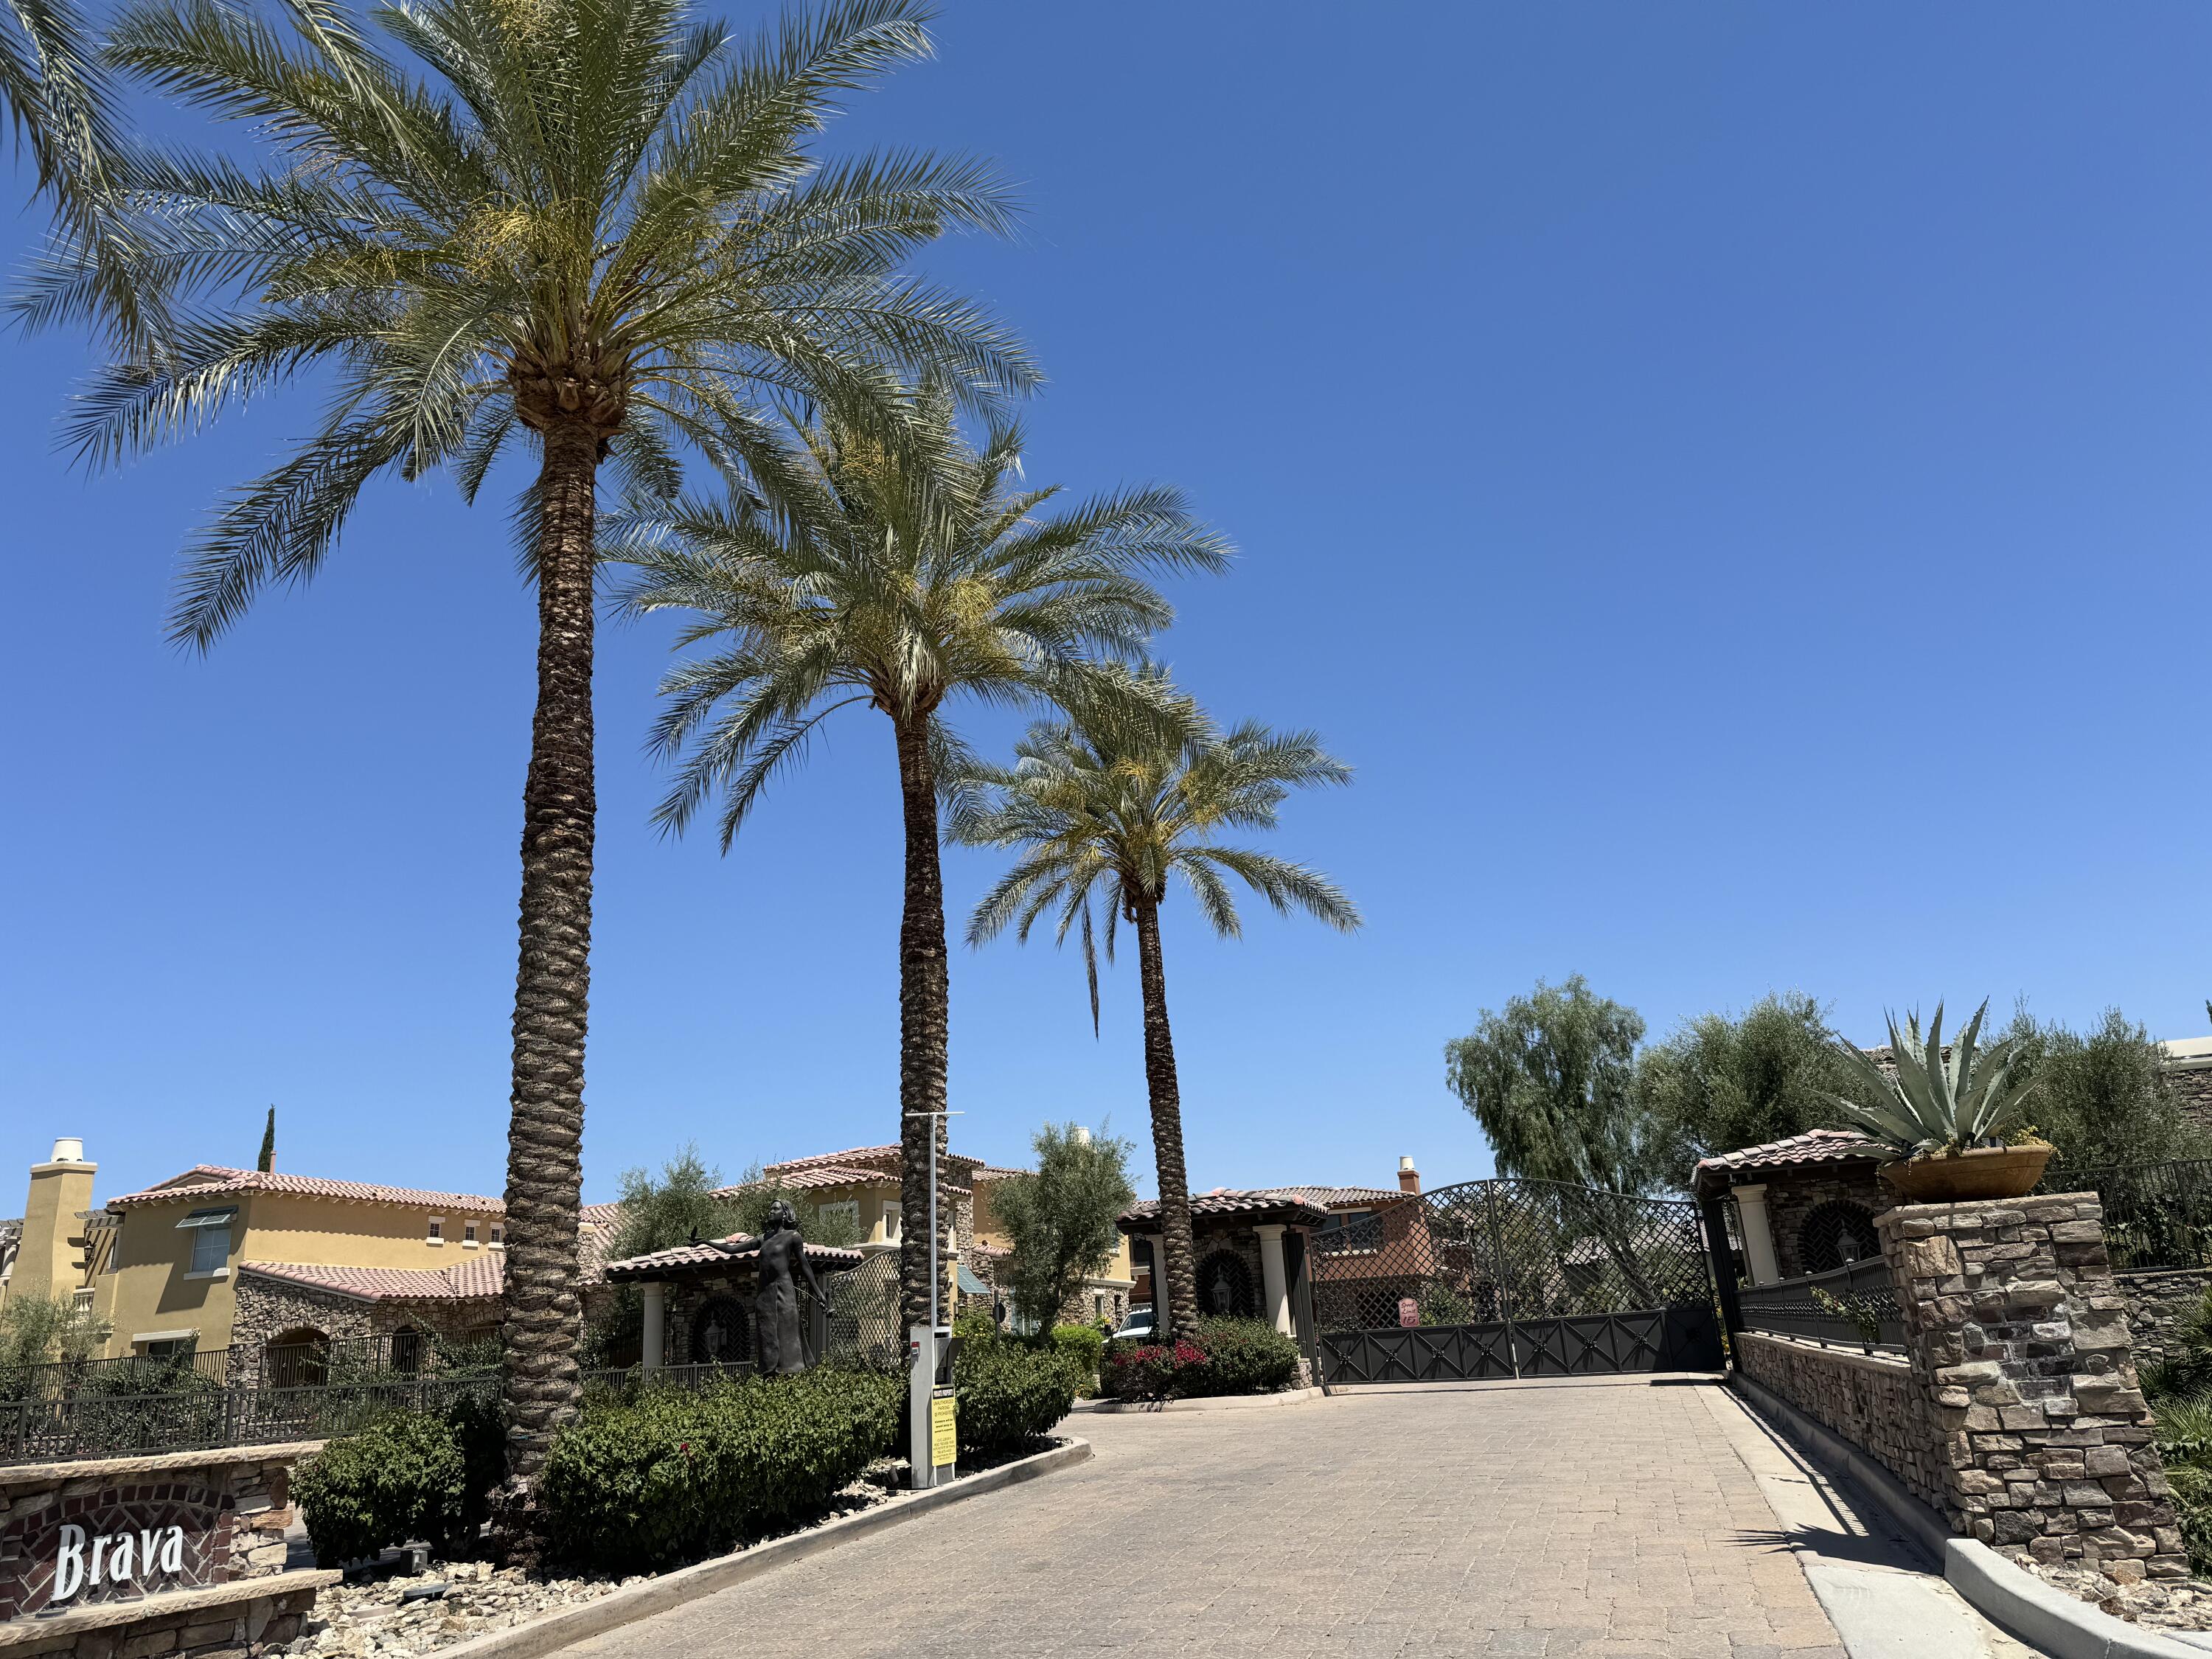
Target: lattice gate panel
x,y
1493,1279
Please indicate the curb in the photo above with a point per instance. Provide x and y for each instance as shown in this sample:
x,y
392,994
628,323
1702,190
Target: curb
x,y
2039,1615
1226,1402
674,1589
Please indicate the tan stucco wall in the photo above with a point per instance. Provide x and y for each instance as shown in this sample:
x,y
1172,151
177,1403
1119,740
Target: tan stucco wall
x,y
154,1290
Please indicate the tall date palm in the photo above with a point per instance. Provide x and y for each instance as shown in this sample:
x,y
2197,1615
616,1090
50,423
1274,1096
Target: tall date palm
x,y
912,579
594,229
1106,806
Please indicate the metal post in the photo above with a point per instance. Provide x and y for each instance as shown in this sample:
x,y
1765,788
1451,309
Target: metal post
x,y
1497,1275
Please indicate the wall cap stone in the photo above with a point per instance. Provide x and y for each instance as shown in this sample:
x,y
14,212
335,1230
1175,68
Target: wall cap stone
x,y
167,1604
1893,1364
102,1469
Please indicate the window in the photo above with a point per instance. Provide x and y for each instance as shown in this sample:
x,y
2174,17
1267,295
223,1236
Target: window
x,y
468,1235
1098,1306
499,1235
168,1347
211,1231
437,1230
890,1220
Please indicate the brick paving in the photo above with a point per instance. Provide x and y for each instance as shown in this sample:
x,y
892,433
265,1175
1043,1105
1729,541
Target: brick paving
x,y
1607,1519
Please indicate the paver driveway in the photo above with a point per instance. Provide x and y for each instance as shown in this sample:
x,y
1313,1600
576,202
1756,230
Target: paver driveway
x,y
1532,1520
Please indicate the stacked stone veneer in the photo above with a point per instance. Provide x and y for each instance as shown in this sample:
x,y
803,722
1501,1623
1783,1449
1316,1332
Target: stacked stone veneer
x,y
1869,1399
2017,1336
2158,1305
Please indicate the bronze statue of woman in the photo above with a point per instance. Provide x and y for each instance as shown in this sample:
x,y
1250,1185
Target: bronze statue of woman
x,y
780,1343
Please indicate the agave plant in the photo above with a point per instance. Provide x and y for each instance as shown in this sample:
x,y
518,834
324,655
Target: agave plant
x,y
1938,1103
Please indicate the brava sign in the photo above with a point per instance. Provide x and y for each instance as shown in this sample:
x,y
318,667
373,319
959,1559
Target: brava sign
x,y
82,1561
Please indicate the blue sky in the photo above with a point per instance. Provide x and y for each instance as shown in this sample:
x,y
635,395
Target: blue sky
x,y
1732,480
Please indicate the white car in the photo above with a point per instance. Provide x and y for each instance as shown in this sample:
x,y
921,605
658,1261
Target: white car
x,y
1137,1327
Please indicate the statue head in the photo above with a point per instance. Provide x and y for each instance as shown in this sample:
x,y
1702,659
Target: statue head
x,y
781,1217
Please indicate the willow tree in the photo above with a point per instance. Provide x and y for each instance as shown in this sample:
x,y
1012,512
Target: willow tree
x,y
914,578
592,230
1107,806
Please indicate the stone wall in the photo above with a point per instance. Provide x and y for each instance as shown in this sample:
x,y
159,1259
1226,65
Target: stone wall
x,y
269,1308
1869,1399
229,1510
231,1628
2017,1333
2158,1305
1794,1194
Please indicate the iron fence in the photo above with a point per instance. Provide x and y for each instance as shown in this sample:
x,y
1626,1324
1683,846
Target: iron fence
x,y
862,1327
198,1415
2156,1215
1851,1306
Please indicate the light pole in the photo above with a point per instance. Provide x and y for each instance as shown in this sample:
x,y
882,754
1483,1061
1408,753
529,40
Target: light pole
x,y
924,1349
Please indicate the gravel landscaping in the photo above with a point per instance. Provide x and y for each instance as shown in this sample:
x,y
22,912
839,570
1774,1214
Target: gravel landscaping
x,y
378,1618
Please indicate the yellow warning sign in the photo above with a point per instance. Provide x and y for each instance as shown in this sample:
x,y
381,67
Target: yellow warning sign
x,y
944,1436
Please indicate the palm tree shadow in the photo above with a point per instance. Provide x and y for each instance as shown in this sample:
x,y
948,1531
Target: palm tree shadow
x,y
1866,1549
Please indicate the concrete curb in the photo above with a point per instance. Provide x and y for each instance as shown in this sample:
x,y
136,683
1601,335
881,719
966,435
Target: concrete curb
x,y
1226,1402
673,1590
2039,1615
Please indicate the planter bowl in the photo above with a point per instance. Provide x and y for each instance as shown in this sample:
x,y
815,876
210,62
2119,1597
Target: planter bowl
x,y
1981,1172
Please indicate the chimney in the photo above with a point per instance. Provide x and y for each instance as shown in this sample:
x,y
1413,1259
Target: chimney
x,y
46,1259
1409,1178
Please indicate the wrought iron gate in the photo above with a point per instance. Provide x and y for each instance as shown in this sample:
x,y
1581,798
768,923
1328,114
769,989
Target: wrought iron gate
x,y
1503,1278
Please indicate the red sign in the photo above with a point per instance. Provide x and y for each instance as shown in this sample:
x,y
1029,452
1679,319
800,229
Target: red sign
x,y
1409,1311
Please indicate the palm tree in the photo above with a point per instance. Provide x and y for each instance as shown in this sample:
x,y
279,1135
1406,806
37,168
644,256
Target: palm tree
x,y
1107,805
911,581
595,228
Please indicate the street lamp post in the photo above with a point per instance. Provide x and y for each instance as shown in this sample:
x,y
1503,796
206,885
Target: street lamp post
x,y
925,1348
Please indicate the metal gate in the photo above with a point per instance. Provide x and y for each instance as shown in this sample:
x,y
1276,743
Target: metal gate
x,y
1504,1278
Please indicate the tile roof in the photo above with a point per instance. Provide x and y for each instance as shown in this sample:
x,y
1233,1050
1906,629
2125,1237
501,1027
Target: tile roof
x,y
862,1156
1330,1197
213,1181
993,1172
1813,1146
686,1258
1225,1202
477,1279
817,1174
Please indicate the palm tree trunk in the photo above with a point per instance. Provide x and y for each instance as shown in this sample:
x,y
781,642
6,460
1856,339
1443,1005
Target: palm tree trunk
x,y
1181,1291
925,1010
544,1149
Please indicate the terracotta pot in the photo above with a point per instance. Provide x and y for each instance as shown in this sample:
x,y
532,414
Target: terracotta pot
x,y
1983,1172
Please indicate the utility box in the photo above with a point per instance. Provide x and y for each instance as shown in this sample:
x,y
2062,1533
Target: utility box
x,y
933,1423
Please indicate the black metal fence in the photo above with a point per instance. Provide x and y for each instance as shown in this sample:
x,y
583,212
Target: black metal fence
x,y
1851,1306
2156,1215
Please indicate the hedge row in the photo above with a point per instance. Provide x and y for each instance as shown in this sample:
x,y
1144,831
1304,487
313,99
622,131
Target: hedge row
x,y
1218,1357
655,1476
671,1475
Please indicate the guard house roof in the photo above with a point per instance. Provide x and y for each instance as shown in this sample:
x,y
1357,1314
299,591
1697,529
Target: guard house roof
x,y
1224,1204
1715,1176
691,1261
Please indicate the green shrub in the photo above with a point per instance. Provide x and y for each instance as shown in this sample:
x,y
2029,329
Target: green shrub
x,y
667,1475
1245,1356
1012,1393
1085,1345
403,1477
1219,1356
2192,1503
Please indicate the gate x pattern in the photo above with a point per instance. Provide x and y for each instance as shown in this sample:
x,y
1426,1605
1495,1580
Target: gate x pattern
x,y
1504,1279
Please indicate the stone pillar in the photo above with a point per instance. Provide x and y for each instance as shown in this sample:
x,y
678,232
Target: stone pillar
x,y
1274,1290
2018,1339
1758,1237
656,1323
